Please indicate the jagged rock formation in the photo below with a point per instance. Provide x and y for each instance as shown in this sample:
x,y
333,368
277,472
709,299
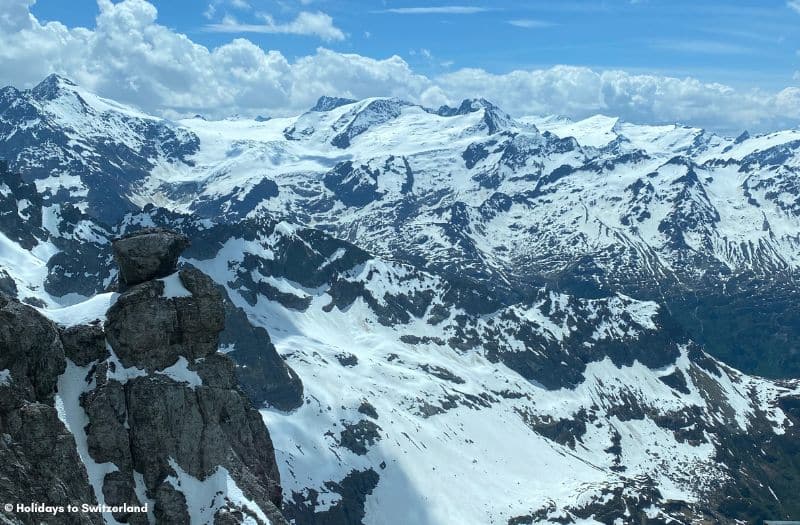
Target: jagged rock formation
x,y
39,461
156,413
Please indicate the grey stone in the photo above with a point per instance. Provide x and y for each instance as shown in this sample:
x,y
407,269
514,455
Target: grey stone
x,y
118,489
106,435
170,506
149,423
148,254
180,326
39,461
84,343
30,349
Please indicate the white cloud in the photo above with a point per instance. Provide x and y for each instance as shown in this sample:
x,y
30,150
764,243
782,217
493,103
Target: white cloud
x,y
306,23
794,5
580,92
437,10
528,23
129,57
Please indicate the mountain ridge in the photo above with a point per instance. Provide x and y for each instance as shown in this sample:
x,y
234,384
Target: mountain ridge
x,y
458,302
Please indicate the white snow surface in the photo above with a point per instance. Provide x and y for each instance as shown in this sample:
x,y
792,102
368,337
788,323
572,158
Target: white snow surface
x,y
180,373
443,451
93,308
173,286
204,498
433,459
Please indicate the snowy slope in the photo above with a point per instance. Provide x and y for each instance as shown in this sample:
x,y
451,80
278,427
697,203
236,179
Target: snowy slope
x,y
494,320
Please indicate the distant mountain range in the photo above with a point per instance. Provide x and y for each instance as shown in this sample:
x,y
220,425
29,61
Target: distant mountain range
x,y
485,319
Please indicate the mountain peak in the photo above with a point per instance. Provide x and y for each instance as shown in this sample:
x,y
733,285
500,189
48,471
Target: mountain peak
x,y
51,86
495,118
326,103
742,137
468,105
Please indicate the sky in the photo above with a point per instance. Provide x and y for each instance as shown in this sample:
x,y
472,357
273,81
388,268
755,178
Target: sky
x,y
724,65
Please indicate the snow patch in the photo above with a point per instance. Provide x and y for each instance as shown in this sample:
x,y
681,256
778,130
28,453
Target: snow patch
x,y
71,384
173,287
204,498
84,312
180,373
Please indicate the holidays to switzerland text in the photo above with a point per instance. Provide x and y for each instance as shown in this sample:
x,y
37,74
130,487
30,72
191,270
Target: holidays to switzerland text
x,y
43,508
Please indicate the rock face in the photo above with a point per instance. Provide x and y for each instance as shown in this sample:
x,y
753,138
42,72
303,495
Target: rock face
x,y
38,457
155,410
148,254
184,322
166,405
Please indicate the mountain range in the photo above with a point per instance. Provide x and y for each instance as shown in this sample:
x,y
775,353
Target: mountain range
x,y
449,315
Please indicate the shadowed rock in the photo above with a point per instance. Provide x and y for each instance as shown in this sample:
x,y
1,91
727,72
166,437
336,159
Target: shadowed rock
x,y
39,461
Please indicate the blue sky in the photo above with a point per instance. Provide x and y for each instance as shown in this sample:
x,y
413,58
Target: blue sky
x,y
739,43
723,65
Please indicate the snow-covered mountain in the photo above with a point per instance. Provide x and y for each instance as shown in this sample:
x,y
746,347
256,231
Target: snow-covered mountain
x,y
494,320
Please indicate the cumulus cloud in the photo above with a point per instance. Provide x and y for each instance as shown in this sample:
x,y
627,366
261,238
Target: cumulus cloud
x,y
128,56
306,23
793,5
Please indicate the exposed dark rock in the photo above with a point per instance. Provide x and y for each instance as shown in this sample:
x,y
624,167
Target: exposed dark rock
x,y
442,373
349,510
7,284
360,436
170,505
39,461
346,359
119,489
367,409
262,374
30,350
145,420
156,423
34,301
148,254
84,343
325,103
176,326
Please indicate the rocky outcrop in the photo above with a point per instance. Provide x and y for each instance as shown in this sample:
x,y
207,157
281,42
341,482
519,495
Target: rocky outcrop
x,y
263,375
167,406
183,315
39,461
152,412
148,254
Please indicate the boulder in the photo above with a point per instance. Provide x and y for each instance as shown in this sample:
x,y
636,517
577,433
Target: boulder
x,y
84,343
148,254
